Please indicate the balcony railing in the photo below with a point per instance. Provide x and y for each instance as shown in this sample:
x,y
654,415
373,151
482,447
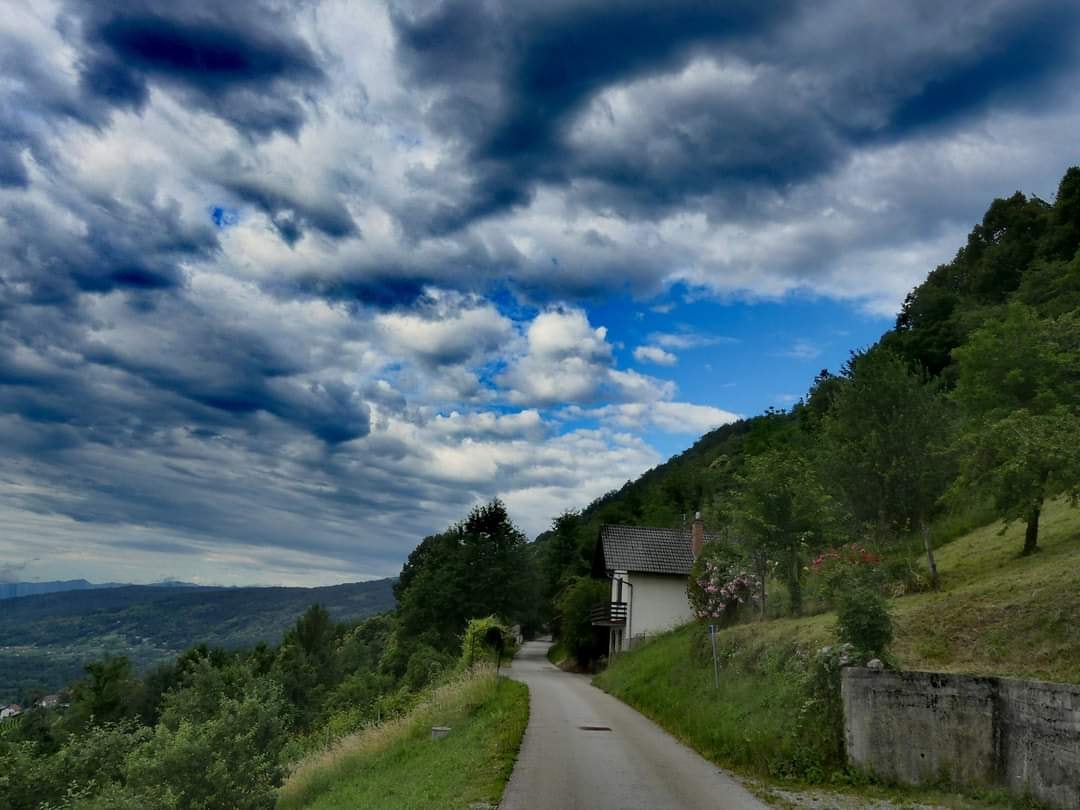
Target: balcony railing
x,y
609,614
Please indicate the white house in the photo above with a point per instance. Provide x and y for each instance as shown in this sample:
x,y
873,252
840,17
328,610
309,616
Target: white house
x,y
11,710
649,570
48,702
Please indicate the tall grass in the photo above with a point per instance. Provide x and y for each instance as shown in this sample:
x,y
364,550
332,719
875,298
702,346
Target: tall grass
x,y
397,765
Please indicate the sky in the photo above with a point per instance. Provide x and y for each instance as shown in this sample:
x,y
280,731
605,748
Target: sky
x,y
286,286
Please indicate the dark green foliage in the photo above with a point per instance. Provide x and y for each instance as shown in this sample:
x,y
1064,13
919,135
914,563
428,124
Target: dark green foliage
x,y
562,558
885,443
579,637
31,777
479,567
218,742
108,693
863,620
939,314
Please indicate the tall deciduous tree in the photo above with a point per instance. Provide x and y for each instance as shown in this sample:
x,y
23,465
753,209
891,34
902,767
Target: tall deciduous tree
x,y
477,568
1019,384
887,445
782,513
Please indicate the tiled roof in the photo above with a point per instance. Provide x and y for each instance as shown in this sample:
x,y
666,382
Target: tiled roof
x,y
647,550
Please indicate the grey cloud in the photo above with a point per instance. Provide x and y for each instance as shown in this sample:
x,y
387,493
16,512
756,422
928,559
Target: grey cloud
x,y
816,93
232,60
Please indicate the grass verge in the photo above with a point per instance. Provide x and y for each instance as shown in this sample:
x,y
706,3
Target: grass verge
x,y
397,766
557,653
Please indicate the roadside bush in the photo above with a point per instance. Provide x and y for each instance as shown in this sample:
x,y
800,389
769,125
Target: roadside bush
x,y
575,608
426,664
864,620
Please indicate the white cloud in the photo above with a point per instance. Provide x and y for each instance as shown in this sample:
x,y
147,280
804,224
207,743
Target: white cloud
x,y
688,339
654,354
670,417
450,331
803,349
567,360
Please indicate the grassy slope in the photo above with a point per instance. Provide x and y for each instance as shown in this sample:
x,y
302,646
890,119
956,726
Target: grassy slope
x,y
397,766
995,614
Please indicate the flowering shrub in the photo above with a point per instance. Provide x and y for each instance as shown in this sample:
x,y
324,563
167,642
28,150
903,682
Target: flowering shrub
x,y
716,592
851,555
839,568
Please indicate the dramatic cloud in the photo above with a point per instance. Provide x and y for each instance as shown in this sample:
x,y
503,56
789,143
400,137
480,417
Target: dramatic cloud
x,y
286,285
233,60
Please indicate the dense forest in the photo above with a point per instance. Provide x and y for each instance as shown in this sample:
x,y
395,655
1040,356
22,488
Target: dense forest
x,y
966,411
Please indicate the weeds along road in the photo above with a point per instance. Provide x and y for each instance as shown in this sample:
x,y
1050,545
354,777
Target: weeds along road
x,y
585,750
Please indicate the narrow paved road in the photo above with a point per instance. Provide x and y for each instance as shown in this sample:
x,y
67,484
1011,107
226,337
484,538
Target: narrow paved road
x,y
569,761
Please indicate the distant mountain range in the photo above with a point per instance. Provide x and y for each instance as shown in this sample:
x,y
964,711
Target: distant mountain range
x,y
46,639
12,590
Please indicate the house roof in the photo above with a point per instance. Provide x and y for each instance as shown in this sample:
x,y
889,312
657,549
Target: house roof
x,y
646,550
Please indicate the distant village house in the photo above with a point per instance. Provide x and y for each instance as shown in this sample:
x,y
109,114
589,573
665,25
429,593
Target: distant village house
x,y
10,710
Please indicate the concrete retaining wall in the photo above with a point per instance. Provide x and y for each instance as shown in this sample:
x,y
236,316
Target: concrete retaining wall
x,y
917,727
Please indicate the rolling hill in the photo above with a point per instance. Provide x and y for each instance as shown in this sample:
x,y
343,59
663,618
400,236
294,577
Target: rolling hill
x,y
46,639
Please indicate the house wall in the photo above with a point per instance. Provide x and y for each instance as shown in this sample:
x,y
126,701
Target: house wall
x,y
657,603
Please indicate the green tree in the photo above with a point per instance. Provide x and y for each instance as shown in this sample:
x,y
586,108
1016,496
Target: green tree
x,y
478,567
575,616
886,443
957,297
1019,385
109,693
495,564
218,743
782,512
561,560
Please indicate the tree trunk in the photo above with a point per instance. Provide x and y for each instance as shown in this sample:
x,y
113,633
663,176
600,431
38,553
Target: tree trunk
x,y
794,583
1031,536
929,554
763,571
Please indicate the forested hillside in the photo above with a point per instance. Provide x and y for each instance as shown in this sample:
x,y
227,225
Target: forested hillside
x,y
966,411
47,639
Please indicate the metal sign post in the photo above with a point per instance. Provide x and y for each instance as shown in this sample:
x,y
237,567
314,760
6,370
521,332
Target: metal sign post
x,y
715,659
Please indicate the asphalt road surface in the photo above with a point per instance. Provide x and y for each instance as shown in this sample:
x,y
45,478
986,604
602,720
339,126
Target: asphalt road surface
x,y
585,750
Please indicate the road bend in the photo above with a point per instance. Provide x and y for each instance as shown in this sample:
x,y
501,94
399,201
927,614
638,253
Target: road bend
x,y
585,750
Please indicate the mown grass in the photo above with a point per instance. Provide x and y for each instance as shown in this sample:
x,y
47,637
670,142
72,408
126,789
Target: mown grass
x,y
397,766
996,613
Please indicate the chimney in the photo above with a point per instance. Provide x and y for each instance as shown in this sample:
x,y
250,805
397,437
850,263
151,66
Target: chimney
x,y
697,535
